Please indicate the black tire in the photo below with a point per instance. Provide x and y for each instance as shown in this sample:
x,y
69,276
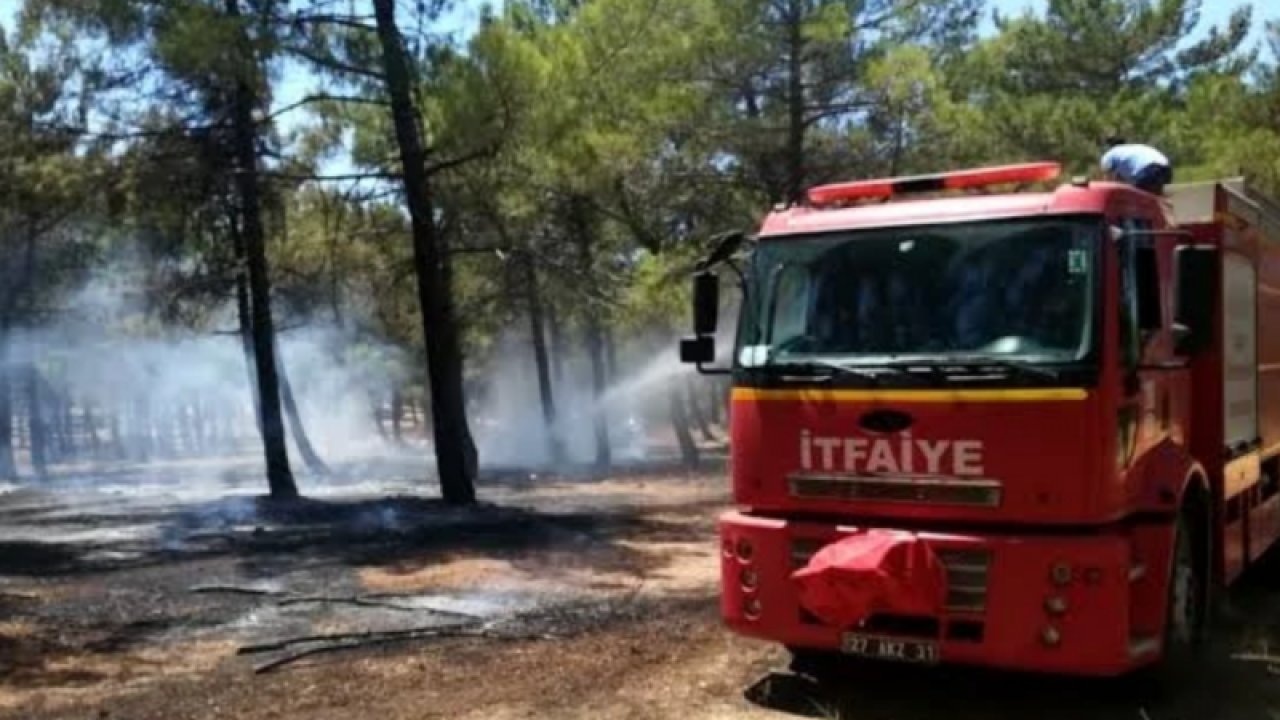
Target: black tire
x,y
815,664
1188,609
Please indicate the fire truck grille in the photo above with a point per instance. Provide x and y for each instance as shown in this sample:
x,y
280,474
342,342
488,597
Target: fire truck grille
x,y
928,490
967,572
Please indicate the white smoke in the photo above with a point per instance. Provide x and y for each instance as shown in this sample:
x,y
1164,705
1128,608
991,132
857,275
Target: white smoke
x,y
509,425
139,390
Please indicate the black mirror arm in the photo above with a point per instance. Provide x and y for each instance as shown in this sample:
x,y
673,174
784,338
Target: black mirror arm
x,y
737,271
704,370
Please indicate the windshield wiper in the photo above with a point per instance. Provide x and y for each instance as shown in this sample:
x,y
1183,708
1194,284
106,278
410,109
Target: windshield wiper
x,y
814,365
874,373
1007,364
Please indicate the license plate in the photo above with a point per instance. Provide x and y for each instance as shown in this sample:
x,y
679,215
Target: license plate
x,y
886,648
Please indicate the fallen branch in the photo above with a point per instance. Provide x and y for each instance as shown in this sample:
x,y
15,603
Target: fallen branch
x,y
378,601
342,637
349,641
235,590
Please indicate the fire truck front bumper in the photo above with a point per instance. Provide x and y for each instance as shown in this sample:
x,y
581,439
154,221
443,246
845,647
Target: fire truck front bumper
x,y
1051,603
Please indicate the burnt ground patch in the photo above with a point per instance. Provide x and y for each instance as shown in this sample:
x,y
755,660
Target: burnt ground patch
x,y
636,649
101,591
262,533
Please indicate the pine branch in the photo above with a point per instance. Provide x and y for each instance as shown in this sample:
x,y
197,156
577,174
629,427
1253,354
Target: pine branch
x,y
333,64
326,97
342,177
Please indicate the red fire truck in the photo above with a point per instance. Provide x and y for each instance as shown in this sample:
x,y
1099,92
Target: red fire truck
x,y
980,419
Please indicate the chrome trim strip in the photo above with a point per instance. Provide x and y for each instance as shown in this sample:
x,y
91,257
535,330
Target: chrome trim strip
x,y
979,492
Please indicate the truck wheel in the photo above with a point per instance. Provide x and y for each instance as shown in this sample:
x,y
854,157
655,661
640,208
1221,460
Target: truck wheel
x,y
815,664
1186,623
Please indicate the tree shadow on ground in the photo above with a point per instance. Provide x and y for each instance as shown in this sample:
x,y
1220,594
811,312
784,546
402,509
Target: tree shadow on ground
x,y
880,693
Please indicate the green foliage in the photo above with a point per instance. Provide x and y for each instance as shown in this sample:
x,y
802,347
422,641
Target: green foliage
x,y
1052,86
599,141
48,183
1101,48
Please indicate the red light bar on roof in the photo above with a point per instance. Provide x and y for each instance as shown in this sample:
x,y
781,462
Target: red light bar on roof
x,y
976,177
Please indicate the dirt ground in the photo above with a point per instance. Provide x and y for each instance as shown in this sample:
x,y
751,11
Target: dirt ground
x,y
558,597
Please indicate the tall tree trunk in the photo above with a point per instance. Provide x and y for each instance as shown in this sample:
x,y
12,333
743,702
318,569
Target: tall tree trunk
x,y
190,417
117,436
715,401
695,409
36,424
300,437
8,466
50,412
275,452
142,430
397,412
69,448
558,349
167,431
610,356
600,415
456,460
593,330
91,429
680,426
797,170
23,432
375,400
470,454
533,301
246,335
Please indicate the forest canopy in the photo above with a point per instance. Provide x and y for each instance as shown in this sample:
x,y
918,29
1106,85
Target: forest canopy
x,y
424,200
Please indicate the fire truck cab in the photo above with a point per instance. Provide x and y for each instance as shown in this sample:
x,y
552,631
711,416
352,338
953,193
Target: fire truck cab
x,y
978,419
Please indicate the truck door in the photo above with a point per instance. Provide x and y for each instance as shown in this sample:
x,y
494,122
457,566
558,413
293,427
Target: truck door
x,y
1148,363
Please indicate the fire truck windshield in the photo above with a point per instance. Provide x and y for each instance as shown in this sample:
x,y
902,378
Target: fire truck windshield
x,y
1015,293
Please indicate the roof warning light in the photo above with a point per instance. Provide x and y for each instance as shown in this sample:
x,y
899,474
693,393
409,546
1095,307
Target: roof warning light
x,y
884,188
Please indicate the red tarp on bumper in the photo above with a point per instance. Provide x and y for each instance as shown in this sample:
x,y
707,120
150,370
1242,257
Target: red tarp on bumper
x,y
887,571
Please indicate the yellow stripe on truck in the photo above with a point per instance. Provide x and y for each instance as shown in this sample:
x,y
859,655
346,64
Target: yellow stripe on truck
x,y
915,396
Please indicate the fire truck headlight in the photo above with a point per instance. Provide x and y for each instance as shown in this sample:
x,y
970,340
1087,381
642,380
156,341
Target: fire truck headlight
x,y
751,608
749,579
745,550
1055,605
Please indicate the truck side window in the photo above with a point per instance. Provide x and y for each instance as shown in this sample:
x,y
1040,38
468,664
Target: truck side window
x,y
1130,332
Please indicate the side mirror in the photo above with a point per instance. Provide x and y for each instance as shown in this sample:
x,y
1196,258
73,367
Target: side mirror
x,y
699,350
1147,271
1196,299
706,303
